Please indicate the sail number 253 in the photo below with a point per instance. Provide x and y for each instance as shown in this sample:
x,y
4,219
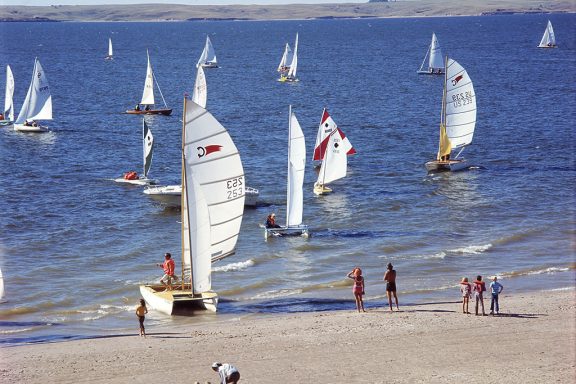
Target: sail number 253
x,y
461,99
235,187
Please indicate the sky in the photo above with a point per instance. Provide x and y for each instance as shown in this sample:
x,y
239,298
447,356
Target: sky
x,y
189,2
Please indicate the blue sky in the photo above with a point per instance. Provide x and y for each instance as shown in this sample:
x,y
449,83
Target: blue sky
x,y
190,2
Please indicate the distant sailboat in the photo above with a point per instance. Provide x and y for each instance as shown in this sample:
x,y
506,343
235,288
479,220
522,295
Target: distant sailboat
x,y
435,64
200,95
148,96
110,55
548,39
290,75
294,195
37,105
148,148
286,60
208,56
1,286
211,215
457,119
8,99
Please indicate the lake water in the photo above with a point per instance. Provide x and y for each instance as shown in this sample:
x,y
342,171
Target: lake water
x,y
74,245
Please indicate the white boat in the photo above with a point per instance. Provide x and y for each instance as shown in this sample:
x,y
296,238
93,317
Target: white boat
x,y
294,193
208,57
37,105
169,195
435,64
8,99
286,60
211,215
548,39
147,150
146,105
457,119
332,148
110,55
200,95
290,75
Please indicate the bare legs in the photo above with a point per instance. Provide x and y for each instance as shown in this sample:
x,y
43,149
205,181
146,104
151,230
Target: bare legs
x,y
389,294
359,302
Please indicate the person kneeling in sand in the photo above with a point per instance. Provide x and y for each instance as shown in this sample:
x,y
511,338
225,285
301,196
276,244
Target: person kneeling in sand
x,y
228,373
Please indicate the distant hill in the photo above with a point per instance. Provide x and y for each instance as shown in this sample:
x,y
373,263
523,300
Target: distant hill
x,y
374,8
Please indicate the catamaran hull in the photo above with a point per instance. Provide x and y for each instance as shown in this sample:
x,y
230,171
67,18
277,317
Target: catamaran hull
x,y
30,129
446,166
165,112
300,230
180,301
136,181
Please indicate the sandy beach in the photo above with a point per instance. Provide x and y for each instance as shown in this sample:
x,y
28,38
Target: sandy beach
x,y
531,341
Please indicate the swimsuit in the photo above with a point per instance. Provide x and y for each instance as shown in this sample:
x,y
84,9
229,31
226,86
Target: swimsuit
x,y
357,288
391,286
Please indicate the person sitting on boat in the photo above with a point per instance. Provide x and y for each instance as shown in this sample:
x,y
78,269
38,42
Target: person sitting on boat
x,y
137,107
271,221
147,108
1,116
131,175
168,266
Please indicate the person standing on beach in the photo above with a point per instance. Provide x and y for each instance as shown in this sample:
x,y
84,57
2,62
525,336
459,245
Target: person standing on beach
x,y
227,372
390,279
466,290
479,288
358,287
168,266
495,288
141,312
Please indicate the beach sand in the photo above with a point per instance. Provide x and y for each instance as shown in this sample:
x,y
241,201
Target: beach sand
x,y
531,341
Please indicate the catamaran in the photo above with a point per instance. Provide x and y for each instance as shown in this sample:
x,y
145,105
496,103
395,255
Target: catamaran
x,y
212,210
548,39
286,60
200,95
132,177
457,119
332,148
290,75
208,56
110,55
294,193
8,114
146,106
37,105
435,62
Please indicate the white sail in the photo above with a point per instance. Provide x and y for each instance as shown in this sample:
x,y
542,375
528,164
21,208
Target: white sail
x,y
335,160
38,102
212,162
436,59
294,62
286,59
327,125
200,95
208,56
148,142
548,39
9,95
110,52
460,113
148,93
1,285
296,167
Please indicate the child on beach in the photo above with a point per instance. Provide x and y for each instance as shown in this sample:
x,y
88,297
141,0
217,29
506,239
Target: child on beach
x,y
141,311
479,288
358,287
495,288
466,290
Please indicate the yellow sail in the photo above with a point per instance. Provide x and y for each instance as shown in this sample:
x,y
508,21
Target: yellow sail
x,y
445,146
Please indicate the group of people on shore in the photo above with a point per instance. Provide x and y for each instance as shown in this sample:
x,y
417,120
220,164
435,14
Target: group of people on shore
x,y
478,287
358,287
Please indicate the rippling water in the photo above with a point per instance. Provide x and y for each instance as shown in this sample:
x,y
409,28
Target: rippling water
x,y
74,245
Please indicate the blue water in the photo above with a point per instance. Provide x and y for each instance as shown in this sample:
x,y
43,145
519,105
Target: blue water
x,y
74,245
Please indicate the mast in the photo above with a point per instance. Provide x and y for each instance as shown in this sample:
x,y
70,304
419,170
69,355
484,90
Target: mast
x,y
443,140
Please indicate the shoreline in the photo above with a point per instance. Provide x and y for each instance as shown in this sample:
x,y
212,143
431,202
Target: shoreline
x,y
533,339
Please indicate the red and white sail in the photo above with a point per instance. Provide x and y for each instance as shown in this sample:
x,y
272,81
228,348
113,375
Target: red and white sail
x,y
327,125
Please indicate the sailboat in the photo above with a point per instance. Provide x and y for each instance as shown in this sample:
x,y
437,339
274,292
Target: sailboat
x,y
208,56
148,148
286,60
200,94
457,119
332,147
37,105
434,55
294,195
548,39
212,210
290,76
148,96
110,55
8,99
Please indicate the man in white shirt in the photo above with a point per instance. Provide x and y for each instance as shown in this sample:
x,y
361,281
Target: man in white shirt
x,y
228,373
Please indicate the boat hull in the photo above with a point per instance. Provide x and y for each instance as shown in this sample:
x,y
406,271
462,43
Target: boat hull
x,y
169,195
6,123
209,65
179,301
165,112
321,189
30,129
136,181
287,80
441,72
299,230
435,166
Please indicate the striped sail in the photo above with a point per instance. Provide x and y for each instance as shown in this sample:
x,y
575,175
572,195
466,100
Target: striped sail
x,y
38,102
148,147
327,125
148,93
296,167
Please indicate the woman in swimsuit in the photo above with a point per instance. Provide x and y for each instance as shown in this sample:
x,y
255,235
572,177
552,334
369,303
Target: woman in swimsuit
x,y
358,287
390,279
